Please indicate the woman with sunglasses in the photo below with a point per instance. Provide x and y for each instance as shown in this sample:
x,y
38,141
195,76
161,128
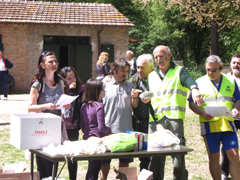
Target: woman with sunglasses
x,y
73,86
46,89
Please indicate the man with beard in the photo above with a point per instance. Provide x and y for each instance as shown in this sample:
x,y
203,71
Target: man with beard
x,y
120,96
235,67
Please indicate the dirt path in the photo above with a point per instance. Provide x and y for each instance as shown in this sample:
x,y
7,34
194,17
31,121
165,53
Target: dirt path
x,y
14,105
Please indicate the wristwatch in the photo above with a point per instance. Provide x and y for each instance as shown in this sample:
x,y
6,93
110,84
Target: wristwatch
x,y
194,87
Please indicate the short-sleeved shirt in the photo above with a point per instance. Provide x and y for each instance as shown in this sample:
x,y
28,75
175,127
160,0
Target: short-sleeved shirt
x,y
118,107
221,125
238,84
49,96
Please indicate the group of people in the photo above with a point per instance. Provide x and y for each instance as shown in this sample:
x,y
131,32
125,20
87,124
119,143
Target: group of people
x,y
111,104
103,69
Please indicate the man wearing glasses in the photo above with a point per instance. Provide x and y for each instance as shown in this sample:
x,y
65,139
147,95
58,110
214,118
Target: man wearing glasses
x,y
218,89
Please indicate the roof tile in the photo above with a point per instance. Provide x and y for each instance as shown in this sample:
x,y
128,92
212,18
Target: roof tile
x,y
39,12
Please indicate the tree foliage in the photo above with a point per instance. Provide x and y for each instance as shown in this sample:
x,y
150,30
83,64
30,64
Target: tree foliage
x,y
224,12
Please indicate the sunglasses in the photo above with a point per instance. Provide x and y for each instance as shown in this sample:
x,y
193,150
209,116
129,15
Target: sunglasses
x,y
44,52
68,69
212,70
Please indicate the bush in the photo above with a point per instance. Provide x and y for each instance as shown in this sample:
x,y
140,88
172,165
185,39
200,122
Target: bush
x,y
196,71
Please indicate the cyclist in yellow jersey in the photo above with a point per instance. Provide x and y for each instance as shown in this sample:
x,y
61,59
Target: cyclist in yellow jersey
x,y
218,90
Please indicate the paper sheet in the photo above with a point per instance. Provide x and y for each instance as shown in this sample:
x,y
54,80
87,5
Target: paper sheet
x,y
218,111
64,100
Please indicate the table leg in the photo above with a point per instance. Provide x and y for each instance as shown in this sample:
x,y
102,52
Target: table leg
x,y
182,167
54,171
32,166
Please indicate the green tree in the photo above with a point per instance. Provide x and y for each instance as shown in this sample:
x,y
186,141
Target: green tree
x,y
229,43
213,14
186,41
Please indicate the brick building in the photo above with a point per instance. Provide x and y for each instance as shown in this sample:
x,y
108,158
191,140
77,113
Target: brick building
x,y
76,32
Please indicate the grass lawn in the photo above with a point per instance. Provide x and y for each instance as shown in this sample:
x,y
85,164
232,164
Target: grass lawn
x,y
196,161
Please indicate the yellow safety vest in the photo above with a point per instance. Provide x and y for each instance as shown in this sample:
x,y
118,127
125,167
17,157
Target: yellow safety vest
x,y
213,97
169,94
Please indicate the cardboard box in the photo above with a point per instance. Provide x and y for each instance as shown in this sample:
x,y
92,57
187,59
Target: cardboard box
x,y
35,131
19,176
131,173
145,175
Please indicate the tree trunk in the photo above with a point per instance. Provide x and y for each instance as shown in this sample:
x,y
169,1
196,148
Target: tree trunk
x,y
214,38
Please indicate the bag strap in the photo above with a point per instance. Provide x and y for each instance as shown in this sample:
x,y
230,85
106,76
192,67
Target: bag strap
x,y
62,83
152,112
41,90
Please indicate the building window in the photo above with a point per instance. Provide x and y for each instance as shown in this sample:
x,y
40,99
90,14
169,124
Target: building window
x,y
69,40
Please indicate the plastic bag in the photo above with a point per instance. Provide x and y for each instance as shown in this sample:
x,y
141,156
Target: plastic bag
x,y
27,154
162,138
120,142
94,145
15,168
64,135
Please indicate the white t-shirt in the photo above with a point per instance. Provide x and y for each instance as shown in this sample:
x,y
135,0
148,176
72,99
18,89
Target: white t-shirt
x,y
238,84
2,65
131,63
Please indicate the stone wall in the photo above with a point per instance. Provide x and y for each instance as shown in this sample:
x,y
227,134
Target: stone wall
x,y
23,44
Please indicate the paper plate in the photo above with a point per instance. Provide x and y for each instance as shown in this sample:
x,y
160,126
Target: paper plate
x,y
146,95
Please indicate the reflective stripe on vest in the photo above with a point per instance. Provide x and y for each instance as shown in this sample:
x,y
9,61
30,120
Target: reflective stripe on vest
x,y
170,108
171,91
169,95
211,99
211,96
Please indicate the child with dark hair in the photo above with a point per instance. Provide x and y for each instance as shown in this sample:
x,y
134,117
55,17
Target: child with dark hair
x,y
73,86
93,120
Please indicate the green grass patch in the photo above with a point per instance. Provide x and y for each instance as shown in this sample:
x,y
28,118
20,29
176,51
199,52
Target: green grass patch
x,y
196,161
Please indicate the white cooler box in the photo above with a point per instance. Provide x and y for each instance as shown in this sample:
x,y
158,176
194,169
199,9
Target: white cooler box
x,y
35,131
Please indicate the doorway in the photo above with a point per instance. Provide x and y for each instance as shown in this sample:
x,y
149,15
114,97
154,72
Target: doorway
x,y
72,51
63,56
